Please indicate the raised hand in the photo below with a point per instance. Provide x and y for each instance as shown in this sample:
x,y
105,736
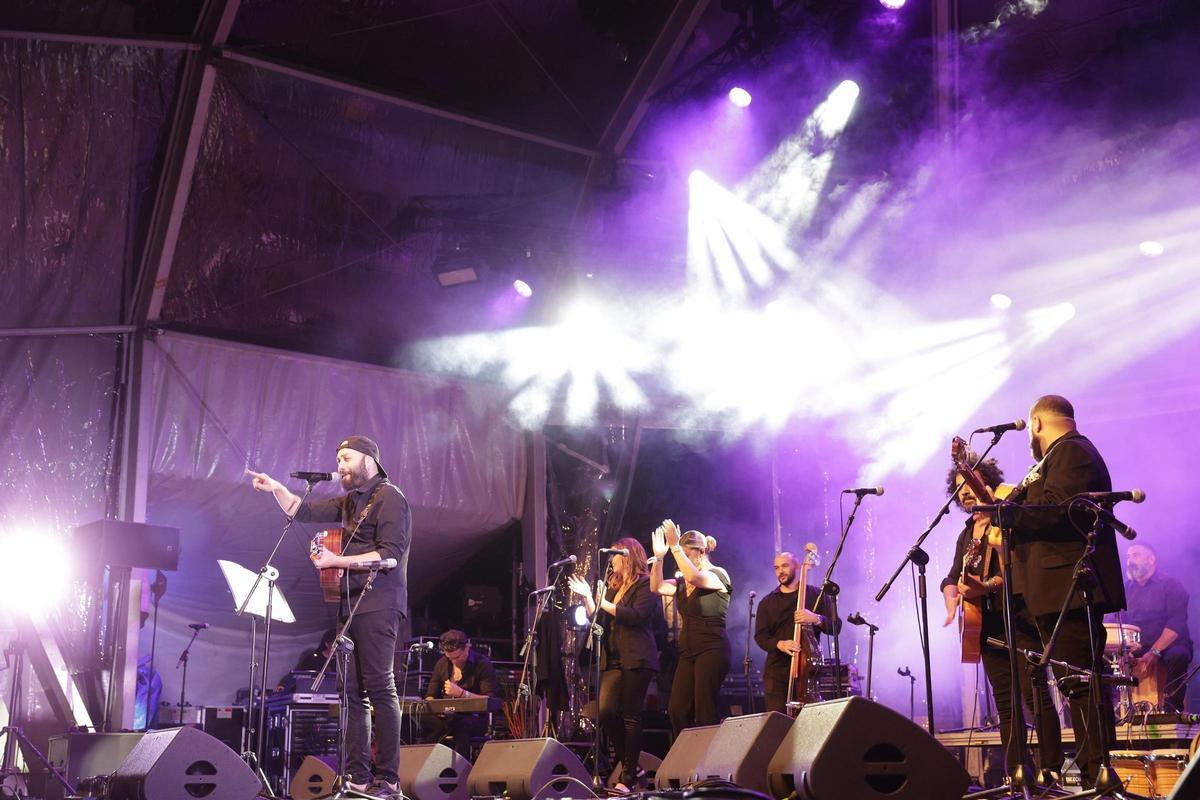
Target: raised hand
x,y
579,586
670,533
658,542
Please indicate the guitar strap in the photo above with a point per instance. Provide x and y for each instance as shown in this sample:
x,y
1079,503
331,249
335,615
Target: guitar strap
x,y
363,514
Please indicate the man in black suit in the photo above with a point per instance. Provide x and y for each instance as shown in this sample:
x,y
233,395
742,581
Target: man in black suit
x,y
1049,544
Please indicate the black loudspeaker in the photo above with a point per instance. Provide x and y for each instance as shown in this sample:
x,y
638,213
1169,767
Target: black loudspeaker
x,y
742,749
313,778
684,758
433,772
1188,787
181,763
525,769
854,749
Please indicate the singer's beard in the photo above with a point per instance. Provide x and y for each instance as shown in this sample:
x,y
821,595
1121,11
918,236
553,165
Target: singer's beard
x,y
1035,447
356,478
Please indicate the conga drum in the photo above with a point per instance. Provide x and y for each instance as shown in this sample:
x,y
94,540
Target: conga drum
x,y
1166,768
1118,634
1148,694
1133,768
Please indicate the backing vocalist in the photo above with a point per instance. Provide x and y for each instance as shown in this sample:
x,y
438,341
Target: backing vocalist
x,y
378,525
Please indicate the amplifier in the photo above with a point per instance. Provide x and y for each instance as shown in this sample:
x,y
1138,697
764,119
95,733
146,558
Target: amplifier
x,y
296,730
226,724
86,755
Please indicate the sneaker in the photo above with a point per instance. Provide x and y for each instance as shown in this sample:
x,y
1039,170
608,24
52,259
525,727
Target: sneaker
x,y
385,791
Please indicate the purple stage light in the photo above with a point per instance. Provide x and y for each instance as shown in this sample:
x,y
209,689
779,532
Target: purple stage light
x,y
739,97
892,4
522,288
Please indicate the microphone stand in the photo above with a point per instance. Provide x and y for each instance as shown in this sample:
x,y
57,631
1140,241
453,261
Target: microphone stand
x,y
857,619
528,653
595,632
919,557
747,664
828,587
183,660
905,672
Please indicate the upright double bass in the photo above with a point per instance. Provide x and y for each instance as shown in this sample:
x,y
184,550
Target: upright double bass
x,y
802,679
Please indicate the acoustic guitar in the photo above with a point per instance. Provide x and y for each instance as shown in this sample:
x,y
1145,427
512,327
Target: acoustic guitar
x,y
977,559
330,577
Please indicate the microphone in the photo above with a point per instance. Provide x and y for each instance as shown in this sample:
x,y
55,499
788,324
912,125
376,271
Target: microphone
x,y
1015,425
379,563
1102,512
542,590
875,490
562,562
1133,496
753,595
315,477
421,646
198,626
614,551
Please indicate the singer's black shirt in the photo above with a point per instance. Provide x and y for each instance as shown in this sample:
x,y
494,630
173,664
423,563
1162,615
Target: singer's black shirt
x,y
386,528
774,622
1160,602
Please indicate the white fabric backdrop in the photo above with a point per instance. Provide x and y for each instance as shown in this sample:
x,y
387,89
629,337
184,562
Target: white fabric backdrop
x,y
220,407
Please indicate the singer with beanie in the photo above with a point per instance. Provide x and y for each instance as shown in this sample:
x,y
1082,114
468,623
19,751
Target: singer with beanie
x,y
377,526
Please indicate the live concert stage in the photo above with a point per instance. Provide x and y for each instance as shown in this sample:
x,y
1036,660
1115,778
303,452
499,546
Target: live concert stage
x,y
781,399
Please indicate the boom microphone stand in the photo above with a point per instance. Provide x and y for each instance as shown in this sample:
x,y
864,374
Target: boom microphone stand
x,y
747,664
919,557
828,587
595,632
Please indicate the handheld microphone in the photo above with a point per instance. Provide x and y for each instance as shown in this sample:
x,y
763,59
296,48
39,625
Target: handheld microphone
x,y
1133,496
562,562
875,490
198,626
315,477
379,563
614,551
1015,425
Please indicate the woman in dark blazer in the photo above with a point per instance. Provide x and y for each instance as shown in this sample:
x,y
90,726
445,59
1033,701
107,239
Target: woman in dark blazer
x,y
628,656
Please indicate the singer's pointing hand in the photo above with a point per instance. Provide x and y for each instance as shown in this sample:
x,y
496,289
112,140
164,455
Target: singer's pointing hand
x,y
262,481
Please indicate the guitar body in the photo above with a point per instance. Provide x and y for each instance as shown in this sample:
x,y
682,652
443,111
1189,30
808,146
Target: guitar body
x,y
803,679
331,578
970,630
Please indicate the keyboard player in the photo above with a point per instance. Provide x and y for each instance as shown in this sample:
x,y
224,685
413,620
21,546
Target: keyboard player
x,y
459,674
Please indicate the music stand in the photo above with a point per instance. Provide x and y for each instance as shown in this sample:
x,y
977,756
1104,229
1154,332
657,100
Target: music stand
x,y
262,599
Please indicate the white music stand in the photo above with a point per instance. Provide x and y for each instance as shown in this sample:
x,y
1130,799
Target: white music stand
x,y
269,604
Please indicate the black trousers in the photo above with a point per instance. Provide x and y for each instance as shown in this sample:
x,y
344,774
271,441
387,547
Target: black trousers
x,y
775,683
622,702
1176,660
461,727
371,679
697,688
997,668
1075,646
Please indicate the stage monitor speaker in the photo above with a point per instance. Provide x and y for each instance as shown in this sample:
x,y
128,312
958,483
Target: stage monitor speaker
x,y
79,756
433,772
525,769
743,747
679,768
648,763
854,749
314,778
181,763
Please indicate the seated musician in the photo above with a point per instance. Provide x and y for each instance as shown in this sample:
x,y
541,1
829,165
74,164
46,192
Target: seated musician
x,y
1158,604
984,587
460,673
